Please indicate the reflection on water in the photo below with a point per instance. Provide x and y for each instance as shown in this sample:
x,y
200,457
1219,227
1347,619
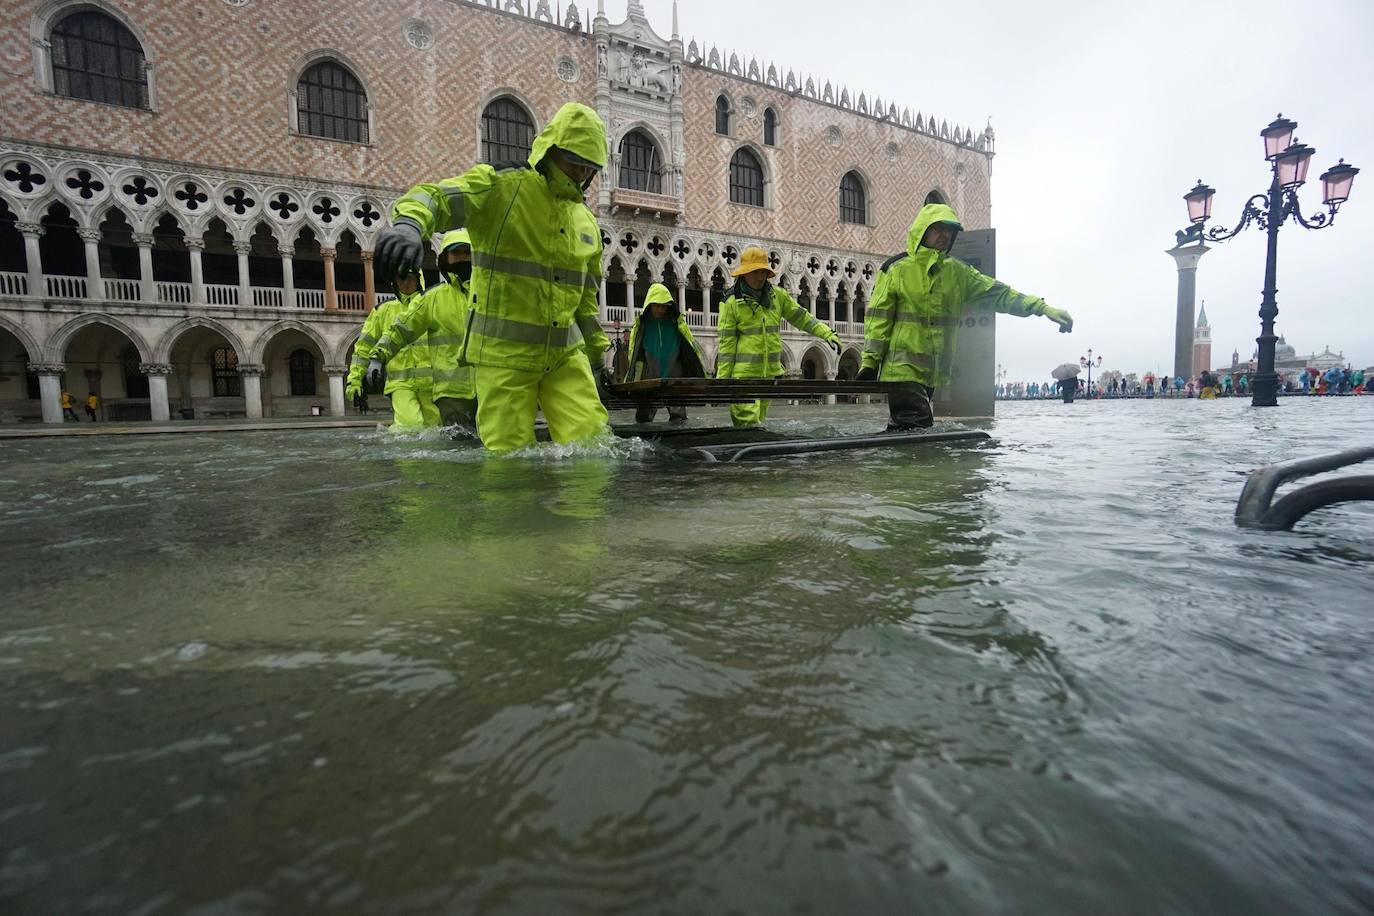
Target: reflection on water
x,y
311,671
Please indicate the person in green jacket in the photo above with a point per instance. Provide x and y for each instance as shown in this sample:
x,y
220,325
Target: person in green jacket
x,y
749,326
912,323
409,383
533,336
440,316
662,346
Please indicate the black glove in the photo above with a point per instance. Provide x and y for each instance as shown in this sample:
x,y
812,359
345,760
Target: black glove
x,y
867,375
399,249
836,346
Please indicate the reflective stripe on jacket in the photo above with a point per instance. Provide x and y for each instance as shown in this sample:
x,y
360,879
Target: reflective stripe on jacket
x,y
536,250
750,332
911,325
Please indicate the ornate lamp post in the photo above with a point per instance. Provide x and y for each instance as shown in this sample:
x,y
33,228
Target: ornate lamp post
x,y
1089,363
1288,163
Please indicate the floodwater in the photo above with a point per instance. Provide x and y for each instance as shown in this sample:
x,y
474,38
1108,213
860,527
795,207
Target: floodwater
x,y
337,671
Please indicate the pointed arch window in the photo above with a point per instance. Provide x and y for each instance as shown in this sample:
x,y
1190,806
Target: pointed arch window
x,y
746,178
96,58
853,200
331,103
507,132
722,115
639,163
770,127
301,364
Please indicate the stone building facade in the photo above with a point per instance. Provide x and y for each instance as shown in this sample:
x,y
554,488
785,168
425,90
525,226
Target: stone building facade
x,y
190,192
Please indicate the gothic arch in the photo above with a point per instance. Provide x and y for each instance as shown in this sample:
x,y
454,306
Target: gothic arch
x,y
30,345
264,338
308,60
765,164
168,341
62,337
52,12
516,96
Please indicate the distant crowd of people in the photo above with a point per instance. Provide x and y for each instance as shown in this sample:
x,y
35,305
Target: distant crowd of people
x,y
1312,381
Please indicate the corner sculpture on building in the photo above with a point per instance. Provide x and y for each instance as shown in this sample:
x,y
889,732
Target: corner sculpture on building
x,y
194,246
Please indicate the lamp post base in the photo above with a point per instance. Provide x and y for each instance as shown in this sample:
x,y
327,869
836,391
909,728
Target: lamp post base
x,y
1264,390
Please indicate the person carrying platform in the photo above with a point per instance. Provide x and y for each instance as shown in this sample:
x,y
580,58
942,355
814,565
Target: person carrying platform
x,y
439,316
533,336
912,322
749,327
662,346
409,383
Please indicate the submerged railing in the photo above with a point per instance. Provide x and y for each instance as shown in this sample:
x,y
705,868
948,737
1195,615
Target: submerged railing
x,y
1256,508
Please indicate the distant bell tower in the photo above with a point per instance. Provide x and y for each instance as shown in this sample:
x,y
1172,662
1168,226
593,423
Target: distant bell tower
x,y
1202,341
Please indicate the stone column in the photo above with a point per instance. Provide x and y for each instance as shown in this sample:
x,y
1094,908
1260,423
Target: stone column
x,y
146,285
369,282
830,375
601,299
288,276
34,260
195,247
95,287
331,295
1186,258
630,302
242,249
50,389
336,389
157,389
251,376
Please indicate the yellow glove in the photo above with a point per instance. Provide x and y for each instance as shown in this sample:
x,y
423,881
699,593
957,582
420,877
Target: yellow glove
x,y
1061,318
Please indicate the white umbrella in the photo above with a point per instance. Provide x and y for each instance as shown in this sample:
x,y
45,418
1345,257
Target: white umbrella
x,y
1066,370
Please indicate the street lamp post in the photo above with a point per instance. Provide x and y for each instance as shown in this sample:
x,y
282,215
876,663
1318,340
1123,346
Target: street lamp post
x,y
1288,164
1088,362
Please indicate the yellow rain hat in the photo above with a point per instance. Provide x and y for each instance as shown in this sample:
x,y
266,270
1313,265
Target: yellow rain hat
x,y
754,258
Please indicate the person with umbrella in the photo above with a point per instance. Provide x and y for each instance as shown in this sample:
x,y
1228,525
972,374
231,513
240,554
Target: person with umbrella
x,y
1066,377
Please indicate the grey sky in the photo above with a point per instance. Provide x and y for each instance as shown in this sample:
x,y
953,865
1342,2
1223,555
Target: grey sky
x,y
1106,114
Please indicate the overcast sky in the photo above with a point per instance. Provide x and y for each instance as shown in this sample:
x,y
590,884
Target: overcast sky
x,y
1106,113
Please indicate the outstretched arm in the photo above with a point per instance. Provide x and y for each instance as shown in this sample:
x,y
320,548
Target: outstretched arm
x,y
984,292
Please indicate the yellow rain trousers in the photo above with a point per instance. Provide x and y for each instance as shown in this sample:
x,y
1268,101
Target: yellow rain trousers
x,y
508,398
536,268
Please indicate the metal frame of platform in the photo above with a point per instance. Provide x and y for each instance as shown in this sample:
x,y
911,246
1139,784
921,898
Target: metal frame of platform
x,y
673,392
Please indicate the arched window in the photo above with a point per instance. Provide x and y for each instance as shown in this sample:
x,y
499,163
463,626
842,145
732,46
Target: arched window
x,y
224,372
722,115
770,127
746,178
507,132
96,58
853,199
935,197
331,103
639,164
302,365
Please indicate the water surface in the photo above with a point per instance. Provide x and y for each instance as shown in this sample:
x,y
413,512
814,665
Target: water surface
x,y
341,671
